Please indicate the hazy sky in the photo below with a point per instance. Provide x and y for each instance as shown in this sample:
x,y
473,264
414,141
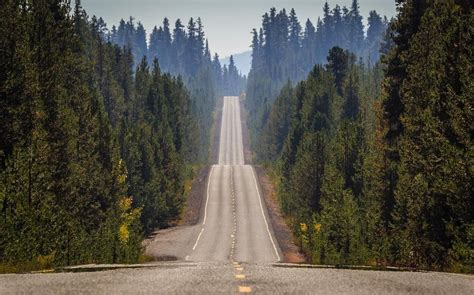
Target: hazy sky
x,y
227,23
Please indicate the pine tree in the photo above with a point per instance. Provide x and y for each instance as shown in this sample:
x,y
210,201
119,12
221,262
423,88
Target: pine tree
x,y
356,31
339,34
256,50
217,71
160,46
376,29
295,43
178,47
153,48
193,49
277,126
328,28
307,175
309,46
433,211
141,44
338,63
351,95
338,230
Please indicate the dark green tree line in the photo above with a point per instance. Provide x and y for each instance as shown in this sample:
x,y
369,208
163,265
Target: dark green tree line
x,y
63,181
427,107
375,160
93,152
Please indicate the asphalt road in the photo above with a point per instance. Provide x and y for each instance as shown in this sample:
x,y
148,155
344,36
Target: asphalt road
x,y
234,226
231,149
232,250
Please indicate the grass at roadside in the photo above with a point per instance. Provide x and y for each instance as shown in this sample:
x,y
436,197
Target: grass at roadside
x,y
42,263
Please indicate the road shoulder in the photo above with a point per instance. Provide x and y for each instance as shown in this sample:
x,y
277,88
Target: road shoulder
x,y
173,243
281,230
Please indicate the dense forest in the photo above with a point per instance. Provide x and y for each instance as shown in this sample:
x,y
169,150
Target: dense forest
x,y
282,51
181,51
97,141
374,160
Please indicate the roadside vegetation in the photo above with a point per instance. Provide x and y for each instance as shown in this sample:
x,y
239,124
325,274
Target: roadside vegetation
x,y
374,158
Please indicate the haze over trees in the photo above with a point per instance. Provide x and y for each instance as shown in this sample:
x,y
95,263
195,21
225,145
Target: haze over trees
x,y
374,161
242,61
285,50
183,50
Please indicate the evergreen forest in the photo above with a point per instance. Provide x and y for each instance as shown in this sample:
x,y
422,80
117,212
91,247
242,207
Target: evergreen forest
x,y
373,158
99,131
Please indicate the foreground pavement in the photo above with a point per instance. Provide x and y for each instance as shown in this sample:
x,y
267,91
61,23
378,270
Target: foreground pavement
x,y
234,278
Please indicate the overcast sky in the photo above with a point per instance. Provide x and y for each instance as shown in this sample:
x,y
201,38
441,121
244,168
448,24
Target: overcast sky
x,y
227,23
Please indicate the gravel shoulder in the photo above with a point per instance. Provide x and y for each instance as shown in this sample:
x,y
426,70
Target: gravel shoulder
x,y
282,232
216,132
195,203
175,243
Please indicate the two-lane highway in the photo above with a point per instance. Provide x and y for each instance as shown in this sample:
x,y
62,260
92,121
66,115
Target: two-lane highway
x,y
235,225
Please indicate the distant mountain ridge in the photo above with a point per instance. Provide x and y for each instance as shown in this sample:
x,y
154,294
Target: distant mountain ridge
x,y
243,61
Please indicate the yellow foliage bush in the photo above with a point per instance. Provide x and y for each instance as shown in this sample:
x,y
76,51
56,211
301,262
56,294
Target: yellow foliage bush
x,y
122,177
124,233
303,227
317,227
128,217
125,204
46,262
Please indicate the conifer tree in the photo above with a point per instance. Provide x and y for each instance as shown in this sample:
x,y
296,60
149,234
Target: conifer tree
x,y
432,212
356,31
178,47
309,46
376,29
338,63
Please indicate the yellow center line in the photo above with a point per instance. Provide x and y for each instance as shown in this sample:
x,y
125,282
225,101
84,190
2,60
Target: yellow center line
x,y
240,277
245,289
239,269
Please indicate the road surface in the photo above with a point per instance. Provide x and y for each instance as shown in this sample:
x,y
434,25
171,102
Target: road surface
x,y
231,250
234,226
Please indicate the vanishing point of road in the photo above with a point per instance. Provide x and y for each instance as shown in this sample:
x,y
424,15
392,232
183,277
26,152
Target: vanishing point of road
x,y
231,250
